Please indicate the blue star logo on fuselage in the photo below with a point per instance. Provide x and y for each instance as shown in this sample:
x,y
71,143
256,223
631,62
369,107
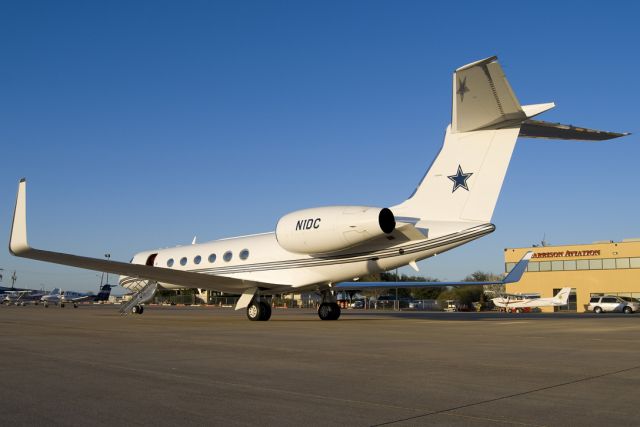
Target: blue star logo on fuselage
x,y
460,179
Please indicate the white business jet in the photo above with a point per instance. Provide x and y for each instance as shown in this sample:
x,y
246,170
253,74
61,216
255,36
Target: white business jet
x,y
317,249
519,302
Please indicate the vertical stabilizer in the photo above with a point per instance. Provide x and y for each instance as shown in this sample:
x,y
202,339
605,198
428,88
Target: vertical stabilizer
x,y
483,98
464,181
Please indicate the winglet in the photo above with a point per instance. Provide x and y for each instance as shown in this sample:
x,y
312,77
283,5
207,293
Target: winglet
x,y
18,241
516,273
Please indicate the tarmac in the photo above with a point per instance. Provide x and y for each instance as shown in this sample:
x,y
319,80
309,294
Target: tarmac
x,y
211,366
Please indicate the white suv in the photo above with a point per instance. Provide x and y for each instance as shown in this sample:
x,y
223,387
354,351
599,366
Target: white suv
x,y
613,303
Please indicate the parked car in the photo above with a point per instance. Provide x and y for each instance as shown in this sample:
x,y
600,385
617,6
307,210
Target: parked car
x,y
612,303
357,304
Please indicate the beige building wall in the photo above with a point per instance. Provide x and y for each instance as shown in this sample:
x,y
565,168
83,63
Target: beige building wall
x,y
597,268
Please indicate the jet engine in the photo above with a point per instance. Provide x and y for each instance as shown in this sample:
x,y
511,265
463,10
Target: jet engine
x,y
332,228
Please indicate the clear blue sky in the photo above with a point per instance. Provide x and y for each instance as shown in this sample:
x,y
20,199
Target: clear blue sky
x,y
142,124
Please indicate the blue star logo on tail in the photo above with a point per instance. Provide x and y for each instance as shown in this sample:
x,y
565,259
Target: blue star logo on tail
x,y
459,179
462,88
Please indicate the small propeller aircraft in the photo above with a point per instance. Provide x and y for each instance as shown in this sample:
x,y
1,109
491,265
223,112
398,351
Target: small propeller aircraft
x,y
521,302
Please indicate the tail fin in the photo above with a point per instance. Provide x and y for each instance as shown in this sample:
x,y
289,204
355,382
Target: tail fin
x,y
104,293
464,181
562,296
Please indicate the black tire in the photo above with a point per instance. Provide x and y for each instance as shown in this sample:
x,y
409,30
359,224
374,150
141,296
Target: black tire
x,y
336,311
627,310
75,305
597,310
61,305
329,311
134,309
254,311
265,311
140,309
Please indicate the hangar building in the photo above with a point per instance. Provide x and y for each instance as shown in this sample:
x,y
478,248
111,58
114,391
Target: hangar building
x,y
599,268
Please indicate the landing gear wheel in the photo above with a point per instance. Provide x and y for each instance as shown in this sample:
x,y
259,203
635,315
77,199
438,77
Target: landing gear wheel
x,y
45,305
254,311
137,309
265,309
75,305
140,309
329,311
61,305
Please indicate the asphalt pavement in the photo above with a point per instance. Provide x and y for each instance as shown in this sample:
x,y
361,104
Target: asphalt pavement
x,y
209,365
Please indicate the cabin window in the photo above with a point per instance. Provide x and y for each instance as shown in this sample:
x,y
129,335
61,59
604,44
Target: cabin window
x,y
212,258
227,256
170,262
197,259
183,261
244,254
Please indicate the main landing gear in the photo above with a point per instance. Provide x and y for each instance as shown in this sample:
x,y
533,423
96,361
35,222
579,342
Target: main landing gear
x,y
329,309
259,310
137,309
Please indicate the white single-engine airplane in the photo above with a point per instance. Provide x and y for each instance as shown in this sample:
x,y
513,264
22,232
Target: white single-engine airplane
x,y
316,249
518,302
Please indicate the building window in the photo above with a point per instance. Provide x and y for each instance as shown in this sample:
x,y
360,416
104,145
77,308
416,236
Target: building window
x,y
244,254
183,261
595,264
557,265
533,266
545,265
227,256
583,264
634,262
622,263
570,265
212,258
197,259
609,263
170,262
508,266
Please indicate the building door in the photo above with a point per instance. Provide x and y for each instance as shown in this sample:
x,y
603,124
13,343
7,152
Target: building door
x,y
572,306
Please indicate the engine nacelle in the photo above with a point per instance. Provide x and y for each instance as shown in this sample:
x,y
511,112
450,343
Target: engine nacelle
x,y
332,228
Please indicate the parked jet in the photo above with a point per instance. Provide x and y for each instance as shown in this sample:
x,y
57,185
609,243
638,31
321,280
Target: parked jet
x,y
316,249
519,302
59,297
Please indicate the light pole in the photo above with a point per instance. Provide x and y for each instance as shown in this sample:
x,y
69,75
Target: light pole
x,y
108,257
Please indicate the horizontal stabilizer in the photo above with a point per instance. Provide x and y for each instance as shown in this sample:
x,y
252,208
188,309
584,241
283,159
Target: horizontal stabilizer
x,y
548,130
514,276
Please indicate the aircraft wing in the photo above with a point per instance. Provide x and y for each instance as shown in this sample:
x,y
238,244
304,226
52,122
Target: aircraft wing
x,y
19,246
514,276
